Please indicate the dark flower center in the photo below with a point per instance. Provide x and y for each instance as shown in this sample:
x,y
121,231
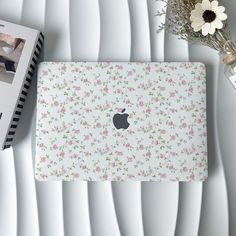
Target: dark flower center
x,y
209,16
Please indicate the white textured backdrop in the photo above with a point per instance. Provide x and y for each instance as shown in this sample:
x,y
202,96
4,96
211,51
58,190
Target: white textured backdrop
x,y
118,30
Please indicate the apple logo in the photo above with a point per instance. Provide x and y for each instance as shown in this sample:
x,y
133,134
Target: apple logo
x,y
120,120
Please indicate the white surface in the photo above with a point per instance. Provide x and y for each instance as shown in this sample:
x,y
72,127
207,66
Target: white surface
x,y
218,215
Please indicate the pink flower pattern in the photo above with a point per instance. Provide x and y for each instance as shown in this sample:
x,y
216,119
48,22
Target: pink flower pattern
x,y
167,137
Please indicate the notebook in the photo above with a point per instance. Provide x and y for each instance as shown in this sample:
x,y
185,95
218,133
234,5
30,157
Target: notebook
x,y
121,121
20,47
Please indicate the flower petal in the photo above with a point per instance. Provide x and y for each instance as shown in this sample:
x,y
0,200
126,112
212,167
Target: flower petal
x,y
214,4
197,12
206,28
219,9
198,6
206,5
192,18
212,29
222,16
217,23
197,28
197,22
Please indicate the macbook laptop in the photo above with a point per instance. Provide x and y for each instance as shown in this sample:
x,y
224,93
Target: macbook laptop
x,y
121,121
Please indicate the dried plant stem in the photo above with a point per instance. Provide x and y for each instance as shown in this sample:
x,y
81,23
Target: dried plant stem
x,y
178,23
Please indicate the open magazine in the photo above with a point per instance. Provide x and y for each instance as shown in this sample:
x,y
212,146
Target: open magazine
x,y
19,51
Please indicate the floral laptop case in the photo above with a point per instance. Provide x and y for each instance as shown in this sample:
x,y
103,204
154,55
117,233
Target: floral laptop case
x,y
121,121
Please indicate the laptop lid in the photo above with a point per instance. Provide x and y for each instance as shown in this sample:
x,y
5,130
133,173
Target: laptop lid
x,y
121,121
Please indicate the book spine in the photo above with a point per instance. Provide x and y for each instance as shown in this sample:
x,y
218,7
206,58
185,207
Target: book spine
x,y
24,92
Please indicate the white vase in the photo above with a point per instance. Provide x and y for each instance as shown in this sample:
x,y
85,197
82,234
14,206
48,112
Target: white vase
x,y
230,67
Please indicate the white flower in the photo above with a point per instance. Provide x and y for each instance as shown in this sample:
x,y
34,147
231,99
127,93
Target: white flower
x,y
207,16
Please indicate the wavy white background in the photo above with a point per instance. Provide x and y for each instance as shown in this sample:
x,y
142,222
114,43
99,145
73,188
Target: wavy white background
x,y
118,30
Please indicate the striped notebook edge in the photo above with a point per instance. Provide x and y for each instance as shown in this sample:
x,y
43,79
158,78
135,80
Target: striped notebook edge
x,y
23,93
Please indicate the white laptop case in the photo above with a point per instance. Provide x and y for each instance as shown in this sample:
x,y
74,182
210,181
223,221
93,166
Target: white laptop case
x,y
121,121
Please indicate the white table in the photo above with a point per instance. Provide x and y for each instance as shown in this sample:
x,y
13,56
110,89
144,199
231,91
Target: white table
x,y
117,30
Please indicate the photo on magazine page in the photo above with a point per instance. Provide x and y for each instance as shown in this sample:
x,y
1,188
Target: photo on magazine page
x,y
10,53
